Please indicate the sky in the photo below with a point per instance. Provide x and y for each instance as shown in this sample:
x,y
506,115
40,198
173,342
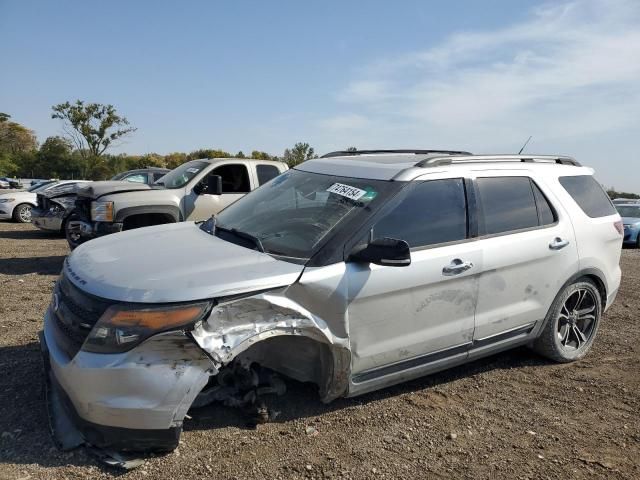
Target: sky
x,y
245,75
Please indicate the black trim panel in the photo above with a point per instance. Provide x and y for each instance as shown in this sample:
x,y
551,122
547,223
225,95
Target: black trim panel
x,y
503,336
410,363
422,360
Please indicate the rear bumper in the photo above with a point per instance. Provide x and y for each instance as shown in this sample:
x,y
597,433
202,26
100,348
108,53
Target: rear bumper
x,y
134,401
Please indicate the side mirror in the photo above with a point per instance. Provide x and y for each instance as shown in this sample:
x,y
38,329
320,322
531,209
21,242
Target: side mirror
x,y
210,185
389,252
215,185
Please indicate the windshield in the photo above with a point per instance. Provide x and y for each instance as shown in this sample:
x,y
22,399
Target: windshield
x,y
180,176
292,214
629,210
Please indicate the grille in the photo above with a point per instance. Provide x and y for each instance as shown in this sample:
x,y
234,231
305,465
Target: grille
x,y
83,207
43,202
76,314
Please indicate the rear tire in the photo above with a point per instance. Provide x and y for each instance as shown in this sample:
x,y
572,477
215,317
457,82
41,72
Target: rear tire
x,y
22,213
572,323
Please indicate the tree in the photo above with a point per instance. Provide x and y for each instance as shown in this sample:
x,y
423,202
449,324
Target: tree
x,y
175,159
351,149
209,153
258,155
300,152
15,138
54,159
93,128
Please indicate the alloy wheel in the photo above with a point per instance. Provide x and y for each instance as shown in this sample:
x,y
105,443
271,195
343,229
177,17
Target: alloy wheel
x,y
577,319
25,214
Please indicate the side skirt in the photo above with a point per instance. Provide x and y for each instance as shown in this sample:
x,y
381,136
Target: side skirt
x,y
416,367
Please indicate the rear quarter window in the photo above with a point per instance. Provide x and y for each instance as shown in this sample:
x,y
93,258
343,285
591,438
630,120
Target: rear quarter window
x,y
589,195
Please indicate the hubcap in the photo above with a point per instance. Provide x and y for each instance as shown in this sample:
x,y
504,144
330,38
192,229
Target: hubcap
x,y
577,319
25,214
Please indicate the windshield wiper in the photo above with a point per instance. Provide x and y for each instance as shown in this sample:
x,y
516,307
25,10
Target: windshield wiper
x,y
244,235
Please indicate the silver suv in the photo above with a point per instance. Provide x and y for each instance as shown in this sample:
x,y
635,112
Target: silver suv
x,y
355,271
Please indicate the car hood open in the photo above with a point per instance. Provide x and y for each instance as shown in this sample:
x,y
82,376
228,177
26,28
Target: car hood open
x,y
173,263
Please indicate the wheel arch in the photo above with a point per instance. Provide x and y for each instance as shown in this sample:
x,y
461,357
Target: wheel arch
x,y
134,217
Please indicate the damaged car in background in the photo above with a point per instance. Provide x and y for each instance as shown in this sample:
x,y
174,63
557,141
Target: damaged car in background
x,y
353,272
54,205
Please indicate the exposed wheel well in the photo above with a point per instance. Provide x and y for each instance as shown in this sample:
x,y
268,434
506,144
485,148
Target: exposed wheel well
x,y
300,358
146,220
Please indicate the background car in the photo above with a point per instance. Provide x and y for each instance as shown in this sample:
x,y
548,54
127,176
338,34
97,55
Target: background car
x,y
630,214
626,201
6,182
147,175
18,205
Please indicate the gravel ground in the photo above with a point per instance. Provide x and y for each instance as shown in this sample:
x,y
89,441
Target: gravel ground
x,y
513,415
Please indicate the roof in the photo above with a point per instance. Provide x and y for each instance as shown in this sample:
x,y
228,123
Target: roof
x,y
408,164
235,159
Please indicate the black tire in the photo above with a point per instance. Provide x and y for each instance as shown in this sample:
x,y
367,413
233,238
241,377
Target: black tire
x,y
73,239
572,323
22,213
638,241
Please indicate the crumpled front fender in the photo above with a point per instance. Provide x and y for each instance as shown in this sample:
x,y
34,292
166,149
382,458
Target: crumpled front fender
x,y
236,325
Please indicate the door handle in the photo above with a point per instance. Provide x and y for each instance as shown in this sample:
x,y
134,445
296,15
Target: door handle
x,y
456,267
558,243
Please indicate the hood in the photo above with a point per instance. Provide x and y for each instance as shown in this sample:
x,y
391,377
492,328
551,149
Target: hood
x,y
98,189
59,190
173,263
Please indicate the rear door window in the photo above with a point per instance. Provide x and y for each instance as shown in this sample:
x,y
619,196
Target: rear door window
x,y
266,173
545,211
589,195
433,212
506,204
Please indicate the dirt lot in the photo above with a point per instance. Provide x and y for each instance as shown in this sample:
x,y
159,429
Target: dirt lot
x,y
513,415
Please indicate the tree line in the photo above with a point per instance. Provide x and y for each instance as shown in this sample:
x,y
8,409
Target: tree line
x,y
90,131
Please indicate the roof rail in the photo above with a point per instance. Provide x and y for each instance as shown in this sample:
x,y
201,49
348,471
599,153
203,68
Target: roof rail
x,y
350,153
438,161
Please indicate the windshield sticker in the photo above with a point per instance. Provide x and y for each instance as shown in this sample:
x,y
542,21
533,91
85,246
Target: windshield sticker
x,y
347,191
193,170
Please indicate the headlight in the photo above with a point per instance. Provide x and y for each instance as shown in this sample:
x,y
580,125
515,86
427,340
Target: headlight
x,y
6,200
102,211
123,327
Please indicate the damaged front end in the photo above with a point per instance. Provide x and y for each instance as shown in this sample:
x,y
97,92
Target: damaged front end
x,y
51,211
121,386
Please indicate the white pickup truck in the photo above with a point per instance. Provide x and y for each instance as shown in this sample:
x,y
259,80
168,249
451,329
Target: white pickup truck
x,y
193,191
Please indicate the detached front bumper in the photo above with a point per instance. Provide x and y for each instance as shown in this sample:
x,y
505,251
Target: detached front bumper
x,y
47,220
88,230
130,402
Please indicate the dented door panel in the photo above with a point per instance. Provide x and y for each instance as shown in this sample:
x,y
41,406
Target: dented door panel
x,y
397,313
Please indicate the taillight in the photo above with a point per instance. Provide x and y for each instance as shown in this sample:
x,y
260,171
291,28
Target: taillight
x,y
619,227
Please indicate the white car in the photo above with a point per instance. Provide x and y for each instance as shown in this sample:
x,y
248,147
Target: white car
x,y
18,205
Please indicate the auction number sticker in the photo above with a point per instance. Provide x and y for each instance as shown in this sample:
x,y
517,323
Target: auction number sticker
x,y
347,191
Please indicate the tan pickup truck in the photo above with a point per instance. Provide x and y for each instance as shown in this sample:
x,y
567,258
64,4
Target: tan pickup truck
x,y
193,191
